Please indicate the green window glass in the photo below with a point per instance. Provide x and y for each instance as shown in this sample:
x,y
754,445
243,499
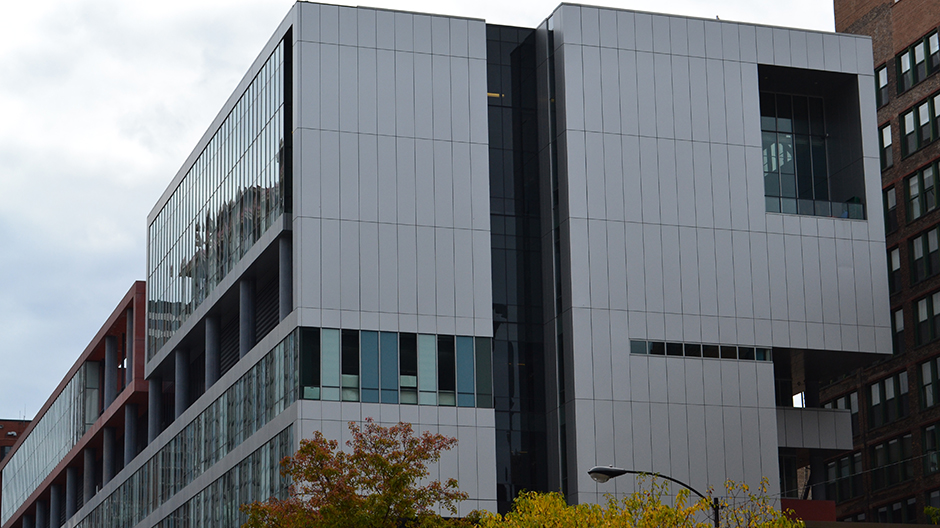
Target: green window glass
x,y
388,342
329,364
465,372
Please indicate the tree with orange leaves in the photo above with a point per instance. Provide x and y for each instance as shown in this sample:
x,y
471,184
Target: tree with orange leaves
x,y
376,483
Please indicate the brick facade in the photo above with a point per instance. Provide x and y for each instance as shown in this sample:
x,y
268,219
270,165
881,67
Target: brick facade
x,y
894,27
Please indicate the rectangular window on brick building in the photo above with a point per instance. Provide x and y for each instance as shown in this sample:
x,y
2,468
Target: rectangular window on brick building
x,y
881,85
885,144
891,209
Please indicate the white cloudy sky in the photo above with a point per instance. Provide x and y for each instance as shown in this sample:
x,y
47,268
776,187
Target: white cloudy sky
x,y
100,103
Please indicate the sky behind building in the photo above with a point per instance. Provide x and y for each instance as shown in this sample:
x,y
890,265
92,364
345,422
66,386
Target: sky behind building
x,y
100,104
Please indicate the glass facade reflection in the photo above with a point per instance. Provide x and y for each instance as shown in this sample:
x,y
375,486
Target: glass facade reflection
x,y
57,431
232,194
257,477
518,351
251,402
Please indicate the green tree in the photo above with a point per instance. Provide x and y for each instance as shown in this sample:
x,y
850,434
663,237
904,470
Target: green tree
x,y
933,514
376,483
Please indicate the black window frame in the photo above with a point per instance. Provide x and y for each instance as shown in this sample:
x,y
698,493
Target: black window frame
x,y
918,70
892,395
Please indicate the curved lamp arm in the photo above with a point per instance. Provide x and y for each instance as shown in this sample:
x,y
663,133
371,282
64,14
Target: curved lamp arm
x,y
602,474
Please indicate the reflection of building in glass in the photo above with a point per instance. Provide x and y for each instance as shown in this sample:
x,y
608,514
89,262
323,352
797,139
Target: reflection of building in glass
x,y
564,246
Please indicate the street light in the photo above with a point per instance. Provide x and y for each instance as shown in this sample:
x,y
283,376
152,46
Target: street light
x,y
602,474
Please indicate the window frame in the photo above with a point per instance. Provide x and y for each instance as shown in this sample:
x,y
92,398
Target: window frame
x,y
896,462
918,61
891,209
897,330
924,255
924,199
919,124
881,85
893,396
894,269
886,150
927,320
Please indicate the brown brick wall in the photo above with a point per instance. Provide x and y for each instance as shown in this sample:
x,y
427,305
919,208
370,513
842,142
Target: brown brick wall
x,y
849,12
912,19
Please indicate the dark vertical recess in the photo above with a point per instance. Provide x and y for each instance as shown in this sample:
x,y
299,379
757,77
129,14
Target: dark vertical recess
x,y
518,352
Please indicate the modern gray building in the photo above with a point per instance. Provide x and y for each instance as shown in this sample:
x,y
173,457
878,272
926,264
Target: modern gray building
x,y
619,238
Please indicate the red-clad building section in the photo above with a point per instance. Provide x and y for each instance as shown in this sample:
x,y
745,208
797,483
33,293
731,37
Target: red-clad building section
x,y
113,405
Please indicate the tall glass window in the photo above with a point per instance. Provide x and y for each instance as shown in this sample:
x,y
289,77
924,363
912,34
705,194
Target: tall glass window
x,y
891,210
446,371
330,364
887,156
897,327
409,368
389,346
796,174
427,370
232,193
369,342
881,80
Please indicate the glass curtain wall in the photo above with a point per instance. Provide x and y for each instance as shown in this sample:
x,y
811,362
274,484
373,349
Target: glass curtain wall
x,y
796,171
251,402
518,351
231,195
55,433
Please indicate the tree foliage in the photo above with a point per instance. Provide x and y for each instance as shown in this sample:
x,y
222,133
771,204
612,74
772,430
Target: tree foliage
x,y
378,482
645,508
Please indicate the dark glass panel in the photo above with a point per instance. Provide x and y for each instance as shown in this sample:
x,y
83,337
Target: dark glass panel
x,y
820,168
804,168
484,370
693,350
310,362
768,112
817,120
784,113
800,115
446,364
674,349
350,355
409,354
710,351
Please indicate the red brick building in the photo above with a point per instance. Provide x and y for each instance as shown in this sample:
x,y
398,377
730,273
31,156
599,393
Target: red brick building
x,y
10,430
894,470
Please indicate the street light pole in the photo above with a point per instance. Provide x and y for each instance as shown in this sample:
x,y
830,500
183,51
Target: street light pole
x,y
602,474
